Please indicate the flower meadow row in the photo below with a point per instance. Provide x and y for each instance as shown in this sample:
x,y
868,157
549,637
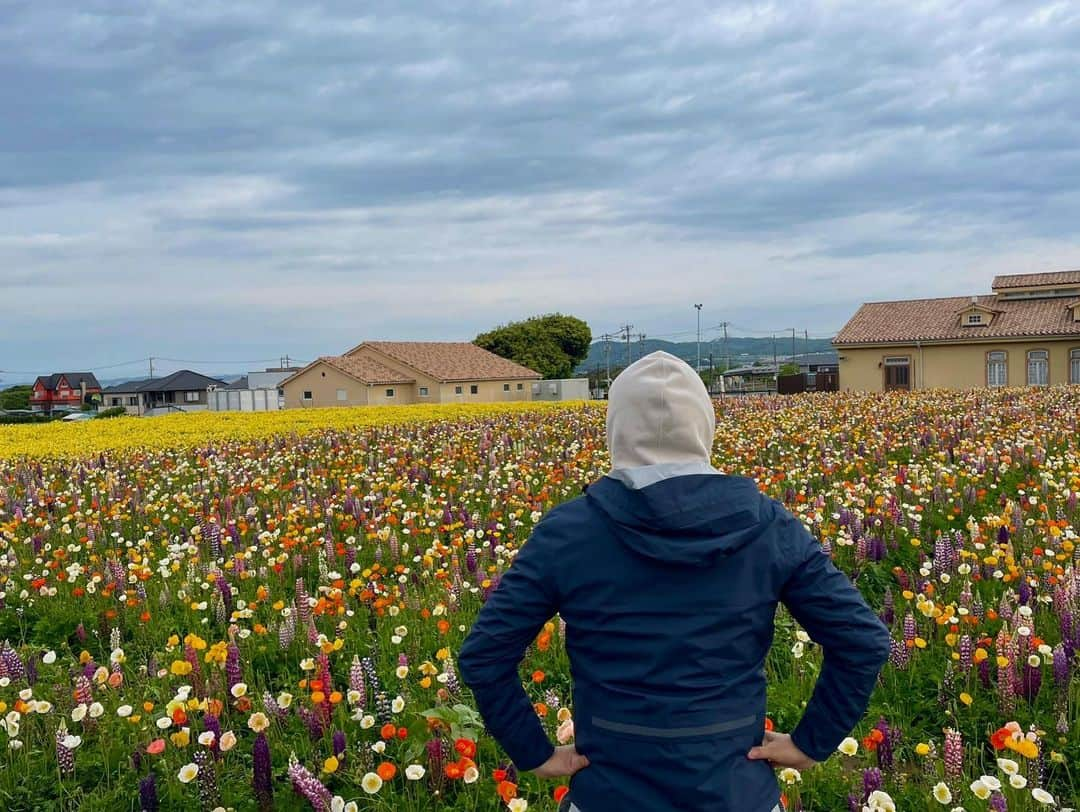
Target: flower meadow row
x,y
266,615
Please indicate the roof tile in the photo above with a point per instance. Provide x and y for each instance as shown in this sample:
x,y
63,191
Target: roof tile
x,y
450,360
1027,280
937,320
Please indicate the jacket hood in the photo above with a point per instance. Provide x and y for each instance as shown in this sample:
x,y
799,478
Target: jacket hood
x,y
659,413
684,520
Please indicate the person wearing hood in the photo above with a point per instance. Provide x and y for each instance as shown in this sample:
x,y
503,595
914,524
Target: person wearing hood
x,y
668,574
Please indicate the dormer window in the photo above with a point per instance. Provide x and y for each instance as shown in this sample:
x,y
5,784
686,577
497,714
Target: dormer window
x,y
974,319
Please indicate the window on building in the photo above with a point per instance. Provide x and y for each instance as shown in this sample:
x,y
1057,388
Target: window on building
x,y
457,390
1038,368
191,397
1074,366
115,401
474,389
897,372
997,371
133,400
389,393
536,389
506,387
342,395
553,388
307,394
423,391
974,318
520,387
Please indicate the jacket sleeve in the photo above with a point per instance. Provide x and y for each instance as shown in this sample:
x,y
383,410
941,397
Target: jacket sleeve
x,y
855,642
512,617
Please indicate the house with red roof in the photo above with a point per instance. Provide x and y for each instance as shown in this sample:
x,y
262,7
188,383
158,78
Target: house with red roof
x,y
397,372
64,391
1025,333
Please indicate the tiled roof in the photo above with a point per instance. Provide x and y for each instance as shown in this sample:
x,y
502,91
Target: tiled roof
x,y
365,369
179,381
1027,280
73,379
938,320
450,360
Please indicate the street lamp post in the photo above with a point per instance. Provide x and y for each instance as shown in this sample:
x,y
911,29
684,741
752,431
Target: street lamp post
x,y
698,308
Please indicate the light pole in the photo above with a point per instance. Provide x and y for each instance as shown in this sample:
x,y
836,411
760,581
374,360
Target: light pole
x,y
698,367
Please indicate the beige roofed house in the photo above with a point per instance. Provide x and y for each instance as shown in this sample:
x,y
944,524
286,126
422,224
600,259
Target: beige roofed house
x,y
387,372
1026,333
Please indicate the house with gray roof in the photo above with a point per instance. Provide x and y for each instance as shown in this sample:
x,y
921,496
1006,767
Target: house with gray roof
x,y
182,391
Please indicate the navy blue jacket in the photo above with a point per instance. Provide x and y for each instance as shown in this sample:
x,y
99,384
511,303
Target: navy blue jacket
x,y
669,594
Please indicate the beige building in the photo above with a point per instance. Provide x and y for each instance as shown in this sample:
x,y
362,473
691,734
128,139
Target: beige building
x,y
399,372
1026,333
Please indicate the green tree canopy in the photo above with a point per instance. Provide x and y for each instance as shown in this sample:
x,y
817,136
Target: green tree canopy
x,y
16,397
552,344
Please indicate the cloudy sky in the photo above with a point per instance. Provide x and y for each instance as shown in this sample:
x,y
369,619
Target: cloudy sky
x,y
223,183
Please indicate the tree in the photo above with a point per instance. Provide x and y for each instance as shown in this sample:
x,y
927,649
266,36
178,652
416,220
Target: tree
x,y
790,368
15,397
553,344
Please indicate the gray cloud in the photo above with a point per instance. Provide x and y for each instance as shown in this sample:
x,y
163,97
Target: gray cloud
x,y
371,169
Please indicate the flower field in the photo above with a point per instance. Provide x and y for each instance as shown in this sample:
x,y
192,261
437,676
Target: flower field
x,y
263,611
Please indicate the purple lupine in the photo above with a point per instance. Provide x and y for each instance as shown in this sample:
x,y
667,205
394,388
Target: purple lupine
x,y
899,655
437,755
953,754
853,803
309,786
1061,666
1030,681
888,613
909,628
13,664
966,652
871,781
338,745
192,657
65,756
984,672
262,780
226,595
233,674
209,796
356,680
382,708
452,684
998,803
148,800
287,630
886,745
313,722
212,724
84,692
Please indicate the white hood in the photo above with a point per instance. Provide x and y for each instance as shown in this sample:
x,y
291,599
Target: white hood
x,y
659,414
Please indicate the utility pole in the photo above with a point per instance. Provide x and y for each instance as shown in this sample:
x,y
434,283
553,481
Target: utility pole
x,y
607,361
641,345
697,369
151,367
712,374
793,346
626,331
775,364
727,354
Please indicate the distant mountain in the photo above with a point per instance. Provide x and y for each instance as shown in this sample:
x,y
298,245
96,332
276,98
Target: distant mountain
x,y
742,351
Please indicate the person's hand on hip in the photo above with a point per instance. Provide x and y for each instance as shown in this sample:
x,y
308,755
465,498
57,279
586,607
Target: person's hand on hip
x,y
780,751
564,762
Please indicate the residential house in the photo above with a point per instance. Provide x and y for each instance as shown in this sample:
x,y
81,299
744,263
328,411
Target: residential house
x,y
254,392
1025,333
182,391
561,389
64,390
398,372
